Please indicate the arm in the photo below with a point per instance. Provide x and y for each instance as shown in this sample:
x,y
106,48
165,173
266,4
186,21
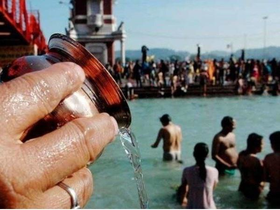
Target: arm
x,y
216,181
266,170
159,137
215,149
185,199
183,191
215,185
261,175
180,137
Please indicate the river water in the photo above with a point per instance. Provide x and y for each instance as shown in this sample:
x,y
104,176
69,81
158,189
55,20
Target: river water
x,y
200,120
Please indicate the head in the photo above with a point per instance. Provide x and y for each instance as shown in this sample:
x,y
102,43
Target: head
x,y
228,123
254,143
275,141
200,153
165,119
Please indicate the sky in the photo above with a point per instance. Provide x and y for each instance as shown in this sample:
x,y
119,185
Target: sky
x,y
182,24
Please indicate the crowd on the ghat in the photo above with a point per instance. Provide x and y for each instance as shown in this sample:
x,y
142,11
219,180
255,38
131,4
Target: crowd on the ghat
x,y
247,75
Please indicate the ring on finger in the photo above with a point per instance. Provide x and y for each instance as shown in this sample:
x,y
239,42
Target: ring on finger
x,y
73,195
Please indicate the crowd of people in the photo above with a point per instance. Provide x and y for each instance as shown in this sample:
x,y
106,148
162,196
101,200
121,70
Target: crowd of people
x,y
247,75
199,181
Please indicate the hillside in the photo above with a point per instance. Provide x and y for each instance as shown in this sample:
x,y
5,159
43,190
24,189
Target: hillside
x,y
167,54
159,53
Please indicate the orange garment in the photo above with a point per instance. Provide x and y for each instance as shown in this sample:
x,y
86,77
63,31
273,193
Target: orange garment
x,y
211,69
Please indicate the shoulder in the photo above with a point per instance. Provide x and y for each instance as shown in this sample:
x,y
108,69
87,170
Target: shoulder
x,y
212,171
188,169
178,128
217,138
163,129
268,157
242,154
231,134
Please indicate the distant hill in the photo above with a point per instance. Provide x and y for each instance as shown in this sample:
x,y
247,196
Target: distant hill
x,y
167,54
159,53
270,52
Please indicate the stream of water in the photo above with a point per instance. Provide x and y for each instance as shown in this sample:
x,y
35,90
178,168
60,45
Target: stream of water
x,y
131,148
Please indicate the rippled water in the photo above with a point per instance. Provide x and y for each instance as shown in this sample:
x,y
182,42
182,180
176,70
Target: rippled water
x,y
199,119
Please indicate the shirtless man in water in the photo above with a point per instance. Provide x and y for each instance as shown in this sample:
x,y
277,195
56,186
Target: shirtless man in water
x,y
272,169
223,147
172,138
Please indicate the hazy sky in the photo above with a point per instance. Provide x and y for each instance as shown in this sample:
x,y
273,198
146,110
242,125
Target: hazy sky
x,y
182,24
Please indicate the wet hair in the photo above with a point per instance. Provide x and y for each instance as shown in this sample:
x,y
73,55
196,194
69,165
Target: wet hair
x,y
165,119
275,140
227,121
254,140
200,153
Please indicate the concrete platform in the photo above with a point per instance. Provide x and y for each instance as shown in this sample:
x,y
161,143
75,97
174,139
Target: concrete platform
x,y
194,90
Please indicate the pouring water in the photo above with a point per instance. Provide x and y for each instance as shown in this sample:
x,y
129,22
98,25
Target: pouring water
x,y
131,148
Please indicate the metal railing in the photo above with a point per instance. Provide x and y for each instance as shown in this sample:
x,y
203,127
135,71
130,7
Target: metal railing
x,y
26,23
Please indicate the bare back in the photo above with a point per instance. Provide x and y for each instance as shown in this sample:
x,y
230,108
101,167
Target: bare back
x,y
172,137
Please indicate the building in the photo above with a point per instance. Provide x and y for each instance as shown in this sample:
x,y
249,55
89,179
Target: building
x,y
93,24
20,31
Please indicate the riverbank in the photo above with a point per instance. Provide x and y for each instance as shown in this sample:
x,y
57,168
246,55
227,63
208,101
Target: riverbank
x,y
193,90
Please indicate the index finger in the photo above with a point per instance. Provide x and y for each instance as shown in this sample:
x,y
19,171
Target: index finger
x,y
29,98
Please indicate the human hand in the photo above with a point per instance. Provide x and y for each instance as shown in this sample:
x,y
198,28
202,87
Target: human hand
x,y
233,166
30,171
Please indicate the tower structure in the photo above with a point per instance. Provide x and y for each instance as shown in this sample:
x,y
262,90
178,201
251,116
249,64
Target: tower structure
x,y
93,24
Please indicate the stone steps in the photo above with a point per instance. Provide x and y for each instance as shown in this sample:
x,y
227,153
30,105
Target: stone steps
x,y
193,90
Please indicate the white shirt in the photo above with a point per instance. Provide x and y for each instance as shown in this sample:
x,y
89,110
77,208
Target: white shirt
x,y
200,195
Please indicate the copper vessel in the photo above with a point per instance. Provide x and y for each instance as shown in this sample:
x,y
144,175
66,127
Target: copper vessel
x,y
99,93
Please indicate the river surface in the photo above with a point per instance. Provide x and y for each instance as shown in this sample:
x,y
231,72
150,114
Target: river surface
x,y
200,120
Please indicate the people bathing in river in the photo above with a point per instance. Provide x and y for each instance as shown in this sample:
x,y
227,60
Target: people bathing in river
x,y
199,181
223,147
272,169
172,139
251,168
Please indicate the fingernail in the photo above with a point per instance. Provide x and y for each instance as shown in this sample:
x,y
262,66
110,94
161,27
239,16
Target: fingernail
x,y
115,125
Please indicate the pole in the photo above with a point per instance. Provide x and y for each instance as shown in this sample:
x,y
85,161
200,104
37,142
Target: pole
x,y
245,40
198,52
123,52
264,35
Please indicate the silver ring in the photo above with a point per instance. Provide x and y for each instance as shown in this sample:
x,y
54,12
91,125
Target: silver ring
x,y
73,195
